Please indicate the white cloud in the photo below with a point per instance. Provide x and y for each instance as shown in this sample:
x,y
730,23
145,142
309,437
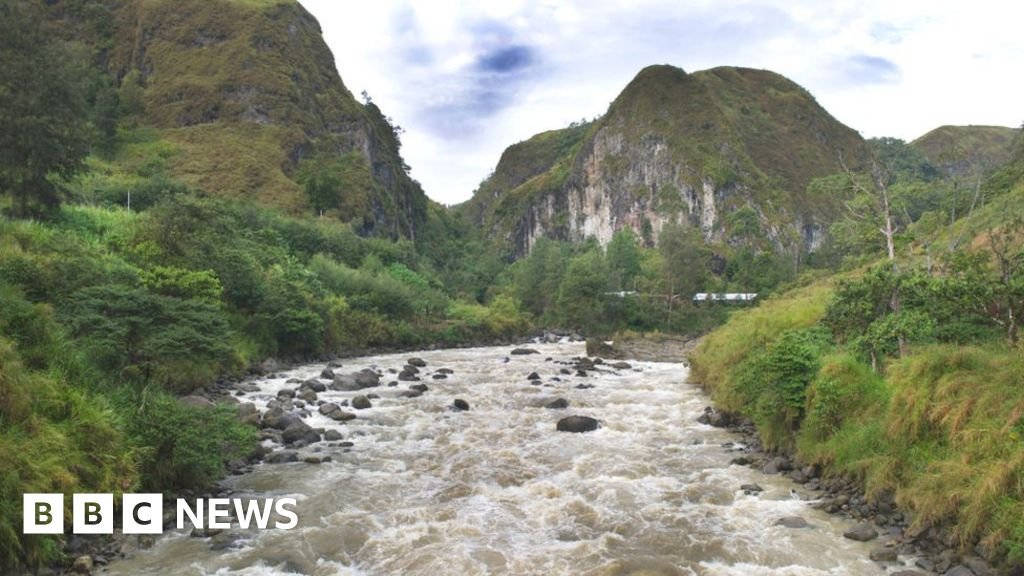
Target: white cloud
x,y
468,79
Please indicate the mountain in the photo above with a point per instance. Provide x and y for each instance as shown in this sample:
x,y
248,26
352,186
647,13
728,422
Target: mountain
x,y
673,146
954,150
245,99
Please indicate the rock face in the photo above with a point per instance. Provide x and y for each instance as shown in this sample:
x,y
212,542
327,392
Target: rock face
x,y
577,424
674,147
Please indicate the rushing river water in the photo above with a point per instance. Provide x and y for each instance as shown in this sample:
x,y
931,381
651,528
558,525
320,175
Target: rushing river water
x,y
496,490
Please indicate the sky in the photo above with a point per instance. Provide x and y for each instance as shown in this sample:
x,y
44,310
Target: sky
x,y
467,79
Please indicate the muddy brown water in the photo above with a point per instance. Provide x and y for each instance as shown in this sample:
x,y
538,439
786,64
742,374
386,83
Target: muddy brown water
x,y
495,490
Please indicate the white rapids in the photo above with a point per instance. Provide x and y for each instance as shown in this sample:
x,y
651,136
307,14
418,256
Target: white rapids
x,y
496,490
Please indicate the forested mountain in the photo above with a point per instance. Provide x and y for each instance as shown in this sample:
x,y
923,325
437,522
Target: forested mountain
x,y
689,148
243,99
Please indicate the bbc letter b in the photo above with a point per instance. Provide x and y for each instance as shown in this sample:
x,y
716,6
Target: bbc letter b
x,y
42,514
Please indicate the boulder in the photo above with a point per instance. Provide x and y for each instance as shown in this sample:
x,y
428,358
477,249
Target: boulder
x,y
460,405
557,404
751,488
285,394
417,362
277,419
420,387
792,522
577,424
411,393
407,375
533,376
334,412
365,378
247,414
861,533
361,402
300,432
439,376
524,351
316,385
447,371
327,374
307,395
622,366
332,435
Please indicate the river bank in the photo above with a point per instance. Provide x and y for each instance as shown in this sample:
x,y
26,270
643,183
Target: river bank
x,y
879,520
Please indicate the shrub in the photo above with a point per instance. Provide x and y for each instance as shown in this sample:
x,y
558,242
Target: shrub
x,y
183,447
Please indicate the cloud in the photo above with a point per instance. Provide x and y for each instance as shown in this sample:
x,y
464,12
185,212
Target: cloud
x,y
863,69
496,65
467,79
506,59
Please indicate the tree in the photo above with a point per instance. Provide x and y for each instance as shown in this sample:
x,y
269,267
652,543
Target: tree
x,y
683,270
581,291
623,259
1006,303
44,130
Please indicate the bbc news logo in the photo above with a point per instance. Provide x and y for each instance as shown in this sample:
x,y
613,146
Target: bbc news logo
x,y
143,513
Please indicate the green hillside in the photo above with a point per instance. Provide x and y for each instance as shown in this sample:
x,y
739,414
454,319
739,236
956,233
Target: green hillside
x,y
956,150
902,376
243,100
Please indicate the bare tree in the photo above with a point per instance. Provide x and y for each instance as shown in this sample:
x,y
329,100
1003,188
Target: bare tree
x,y
881,211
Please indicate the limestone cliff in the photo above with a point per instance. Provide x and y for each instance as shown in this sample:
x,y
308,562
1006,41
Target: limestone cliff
x,y
689,148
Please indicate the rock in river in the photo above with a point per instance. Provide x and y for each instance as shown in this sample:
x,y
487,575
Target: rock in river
x,y
557,404
861,533
524,351
577,424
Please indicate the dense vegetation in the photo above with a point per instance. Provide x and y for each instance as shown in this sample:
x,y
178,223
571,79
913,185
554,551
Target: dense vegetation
x,y
904,372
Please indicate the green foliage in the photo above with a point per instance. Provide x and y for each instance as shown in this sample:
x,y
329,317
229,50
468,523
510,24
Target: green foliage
x,y
772,384
682,250
123,326
905,162
623,257
185,447
44,133
54,437
343,184
581,291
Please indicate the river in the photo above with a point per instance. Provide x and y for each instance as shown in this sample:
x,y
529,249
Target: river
x,y
425,490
